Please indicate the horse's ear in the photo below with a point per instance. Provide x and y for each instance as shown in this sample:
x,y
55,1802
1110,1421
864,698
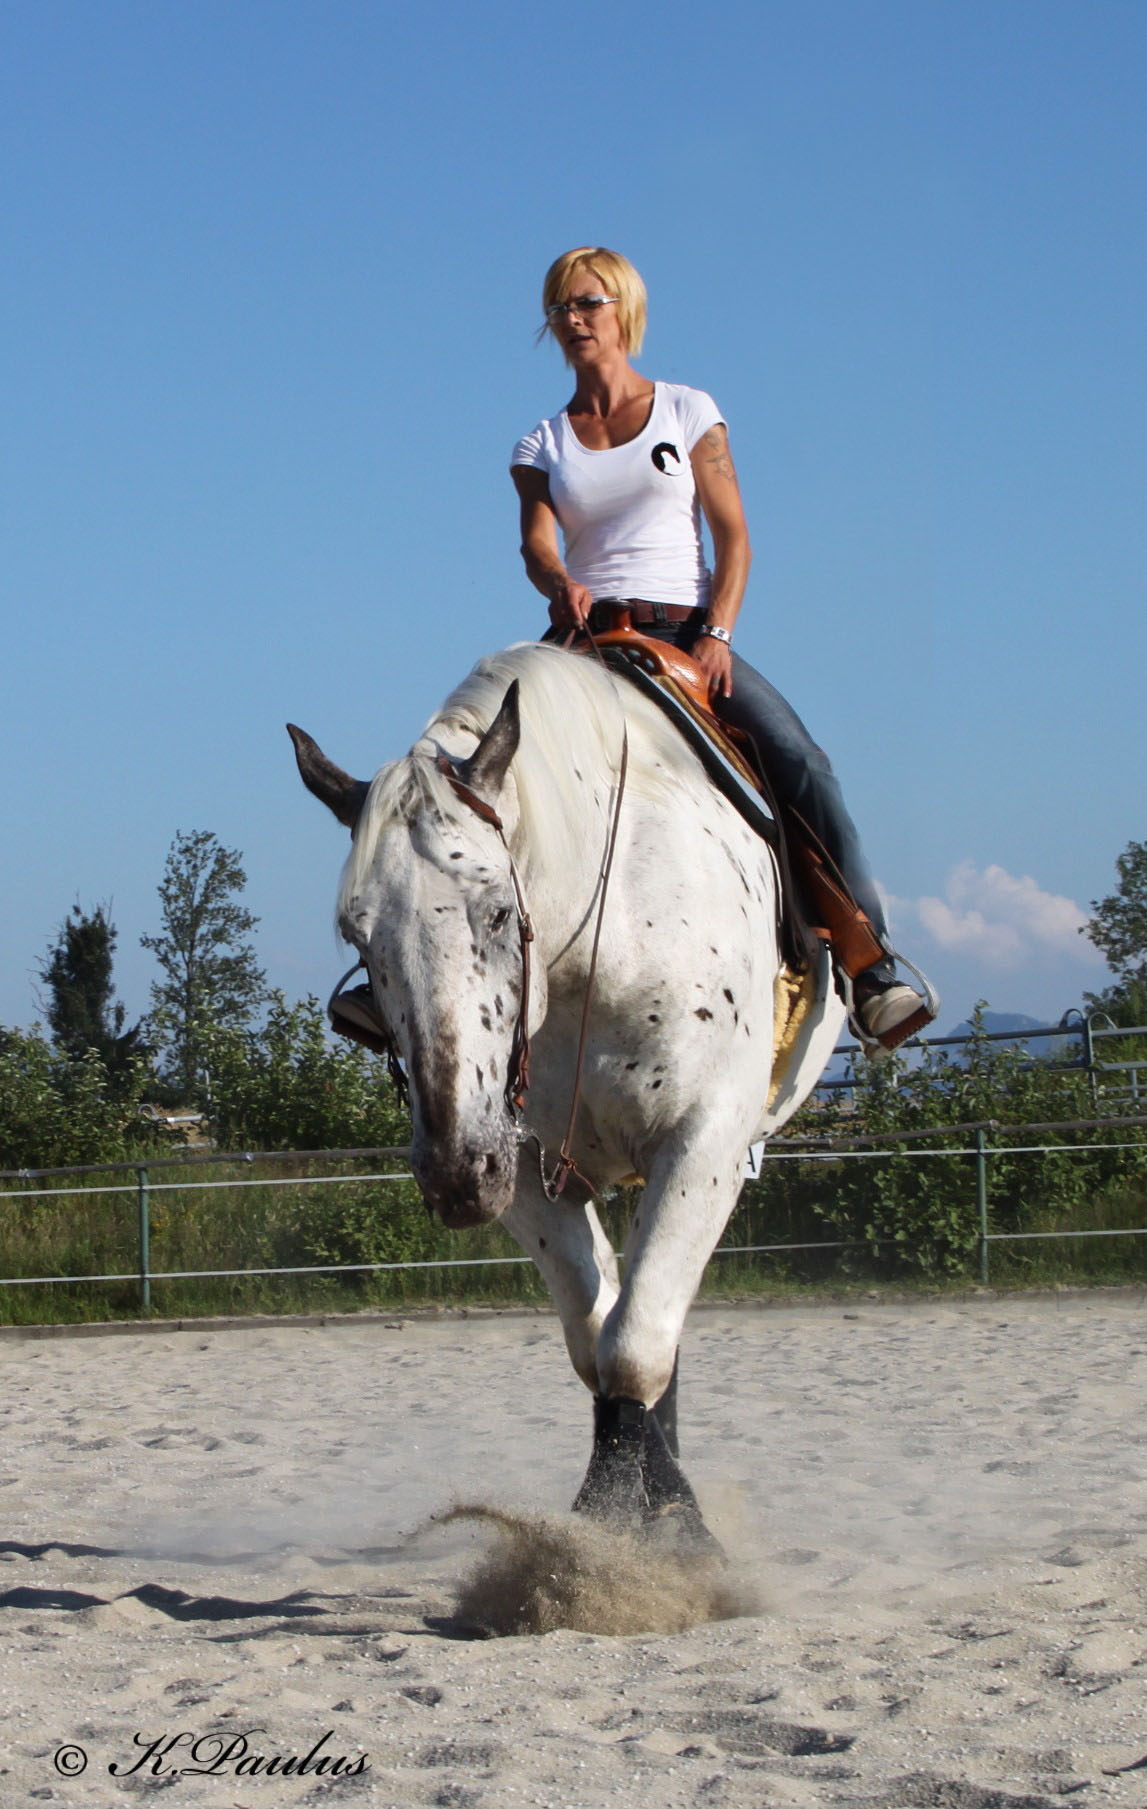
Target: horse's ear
x,y
328,783
485,770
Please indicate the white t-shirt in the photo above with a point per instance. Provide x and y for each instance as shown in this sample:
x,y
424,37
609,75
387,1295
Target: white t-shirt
x,y
630,515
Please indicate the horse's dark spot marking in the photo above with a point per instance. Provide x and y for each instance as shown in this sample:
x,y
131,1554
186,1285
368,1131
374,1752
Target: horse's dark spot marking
x,y
487,1020
629,1067
479,1073
649,926
456,856
660,1068
493,1068
736,1019
577,774
653,1018
702,1012
714,1180
728,994
712,950
655,1086
498,1003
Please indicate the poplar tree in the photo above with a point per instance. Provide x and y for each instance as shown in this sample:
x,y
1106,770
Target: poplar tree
x,y
209,974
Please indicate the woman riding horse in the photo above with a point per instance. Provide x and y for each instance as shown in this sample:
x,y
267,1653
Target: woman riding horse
x,y
625,471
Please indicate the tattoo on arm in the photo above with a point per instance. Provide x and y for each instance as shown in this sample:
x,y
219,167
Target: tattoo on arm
x,y
716,454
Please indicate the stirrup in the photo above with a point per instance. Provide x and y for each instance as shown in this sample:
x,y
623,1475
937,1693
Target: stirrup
x,y
351,1012
880,1048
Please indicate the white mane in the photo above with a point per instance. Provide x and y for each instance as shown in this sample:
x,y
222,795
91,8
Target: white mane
x,y
565,767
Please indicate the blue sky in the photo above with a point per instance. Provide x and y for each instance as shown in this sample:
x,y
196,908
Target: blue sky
x,y
267,314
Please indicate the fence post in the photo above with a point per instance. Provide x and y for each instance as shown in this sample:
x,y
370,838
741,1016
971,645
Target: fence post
x,y
144,1242
982,1199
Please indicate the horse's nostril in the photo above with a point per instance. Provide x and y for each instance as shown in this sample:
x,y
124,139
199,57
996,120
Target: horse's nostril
x,y
491,1163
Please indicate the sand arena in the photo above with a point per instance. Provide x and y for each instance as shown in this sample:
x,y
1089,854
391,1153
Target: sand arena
x,y
937,1516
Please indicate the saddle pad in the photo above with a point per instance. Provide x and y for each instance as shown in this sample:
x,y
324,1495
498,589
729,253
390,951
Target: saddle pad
x,y
724,764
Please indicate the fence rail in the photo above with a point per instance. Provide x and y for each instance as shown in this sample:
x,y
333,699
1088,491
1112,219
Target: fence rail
x,y
1087,1029
859,1147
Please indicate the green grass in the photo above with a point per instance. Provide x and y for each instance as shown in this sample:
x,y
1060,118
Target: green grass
x,y
233,1226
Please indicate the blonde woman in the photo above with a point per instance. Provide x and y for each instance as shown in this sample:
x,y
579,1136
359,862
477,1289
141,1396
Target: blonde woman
x,y
612,493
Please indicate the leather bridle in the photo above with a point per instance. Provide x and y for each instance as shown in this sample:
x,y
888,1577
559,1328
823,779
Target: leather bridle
x,y
518,1070
518,1075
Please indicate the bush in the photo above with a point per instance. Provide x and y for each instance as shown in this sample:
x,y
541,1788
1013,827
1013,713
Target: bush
x,y
910,1214
57,1108
290,1086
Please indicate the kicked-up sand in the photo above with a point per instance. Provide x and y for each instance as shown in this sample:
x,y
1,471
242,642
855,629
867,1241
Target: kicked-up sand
x,y
224,1550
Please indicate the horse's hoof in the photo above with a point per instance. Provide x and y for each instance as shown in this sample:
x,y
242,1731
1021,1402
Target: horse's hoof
x,y
615,1497
679,1528
614,1487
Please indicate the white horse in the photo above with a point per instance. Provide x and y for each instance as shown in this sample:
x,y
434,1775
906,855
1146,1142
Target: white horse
x,y
678,1056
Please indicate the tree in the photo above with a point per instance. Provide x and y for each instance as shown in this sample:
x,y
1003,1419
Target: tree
x,y
1119,929
80,1010
210,974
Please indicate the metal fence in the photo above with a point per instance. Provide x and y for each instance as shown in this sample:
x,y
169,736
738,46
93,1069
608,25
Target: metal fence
x,y
981,1142
1087,1036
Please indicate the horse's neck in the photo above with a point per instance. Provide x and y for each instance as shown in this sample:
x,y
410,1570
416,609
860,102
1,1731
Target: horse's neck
x,y
565,815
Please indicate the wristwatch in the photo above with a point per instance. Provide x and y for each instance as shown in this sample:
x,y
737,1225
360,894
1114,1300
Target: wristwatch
x,y
716,634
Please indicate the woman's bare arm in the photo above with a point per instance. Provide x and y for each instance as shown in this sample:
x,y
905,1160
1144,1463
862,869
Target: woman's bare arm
x,y
569,603
720,495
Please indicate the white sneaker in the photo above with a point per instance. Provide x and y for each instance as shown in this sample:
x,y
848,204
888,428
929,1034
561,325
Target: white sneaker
x,y
890,1017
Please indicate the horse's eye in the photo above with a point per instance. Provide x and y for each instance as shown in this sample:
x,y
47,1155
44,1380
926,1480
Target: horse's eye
x,y
499,920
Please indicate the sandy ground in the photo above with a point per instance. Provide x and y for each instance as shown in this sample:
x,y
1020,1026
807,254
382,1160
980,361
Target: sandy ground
x,y
943,1505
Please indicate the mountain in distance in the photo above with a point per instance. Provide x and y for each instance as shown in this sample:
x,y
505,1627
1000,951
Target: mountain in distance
x,y
997,1023
994,1022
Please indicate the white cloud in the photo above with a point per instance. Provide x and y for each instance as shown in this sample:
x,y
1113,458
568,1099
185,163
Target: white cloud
x,y
1000,919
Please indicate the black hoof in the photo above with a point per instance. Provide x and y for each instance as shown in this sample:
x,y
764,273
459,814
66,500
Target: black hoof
x,y
614,1487
635,1481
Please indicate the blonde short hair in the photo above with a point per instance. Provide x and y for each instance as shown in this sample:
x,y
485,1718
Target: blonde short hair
x,y
616,276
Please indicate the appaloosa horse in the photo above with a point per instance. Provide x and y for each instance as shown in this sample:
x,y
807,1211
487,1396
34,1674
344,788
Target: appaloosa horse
x,y
473,893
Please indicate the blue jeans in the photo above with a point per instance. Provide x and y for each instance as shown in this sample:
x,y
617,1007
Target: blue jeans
x,y
800,771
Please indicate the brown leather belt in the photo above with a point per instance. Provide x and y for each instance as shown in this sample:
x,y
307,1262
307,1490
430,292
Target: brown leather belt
x,y
642,612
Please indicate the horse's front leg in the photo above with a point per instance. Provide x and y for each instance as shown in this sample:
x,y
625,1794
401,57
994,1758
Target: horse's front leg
x,y
577,1263
634,1472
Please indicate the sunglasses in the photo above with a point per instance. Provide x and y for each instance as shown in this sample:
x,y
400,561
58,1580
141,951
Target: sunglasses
x,y
578,304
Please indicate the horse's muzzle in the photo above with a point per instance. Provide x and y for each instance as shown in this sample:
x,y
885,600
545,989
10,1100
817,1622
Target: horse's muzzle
x,y
472,1185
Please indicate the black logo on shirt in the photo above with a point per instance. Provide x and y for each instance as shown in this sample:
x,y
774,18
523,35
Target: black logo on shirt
x,y
661,451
